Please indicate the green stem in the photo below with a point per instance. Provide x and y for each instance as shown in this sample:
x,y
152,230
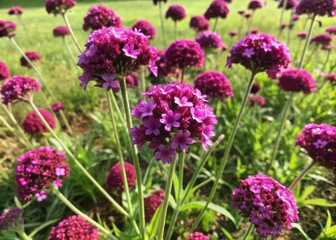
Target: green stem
x,y
248,232
66,20
166,198
80,166
181,169
301,175
121,159
24,27
23,235
65,121
215,25
182,74
227,151
151,162
135,157
69,51
175,30
249,23
282,14
307,41
116,106
162,24
143,80
80,213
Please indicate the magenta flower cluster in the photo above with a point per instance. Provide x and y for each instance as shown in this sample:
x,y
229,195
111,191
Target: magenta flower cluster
x,y
260,52
322,39
74,227
257,99
33,125
255,4
331,30
152,203
302,35
19,88
184,53
114,52
164,69
175,117
214,84
61,31
290,4
39,169
217,9
115,180
145,27
317,7
209,39
176,12
297,80
59,6
17,10
7,28
198,236
57,107
319,140
100,16
331,77
268,205
199,23
255,88
11,219
4,71
32,56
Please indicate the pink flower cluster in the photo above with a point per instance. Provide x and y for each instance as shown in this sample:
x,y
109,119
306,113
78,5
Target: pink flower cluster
x,y
59,6
33,56
268,205
19,88
331,77
11,219
260,52
114,52
290,4
209,39
57,106
255,4
322,39
255,88
217,9
17,10
214,84
257,99
4,71
184,53
145,27
115,180
132,80
7,28
61,31
319,140
317,7
199,23
176,12
331,30
100,16
176,116
74,227
198,236
152,203
37,170
33,125
297,80
302,35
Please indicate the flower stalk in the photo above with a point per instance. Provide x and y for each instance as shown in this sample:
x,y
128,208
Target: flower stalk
x,y
67,23
301,175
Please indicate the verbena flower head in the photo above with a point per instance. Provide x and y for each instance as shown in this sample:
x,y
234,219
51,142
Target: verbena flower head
x,y
331,30
38,170
319,140
33,125
11,219
241,12
152,203
214,84
260,52
74,227
17,10
317,7
254,31
176,12
331,77
233,33
33,56
59,6
145,27
19,88
100,16
255,88
7,28
290,4
255,4
322,39
247,15
184,53
114,179
295,17
199,23
61,31
4,71
156,1
175,117
57,107
114,52
132,80
256,99
209,40
297,80
270,207
198,236
217,9
302,35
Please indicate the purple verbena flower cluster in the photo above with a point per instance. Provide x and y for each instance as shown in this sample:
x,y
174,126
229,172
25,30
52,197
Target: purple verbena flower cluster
x,y
199,23
331,77
257,99
115,180
209,40
319,140
176,116
302,35
7,28
33,125
61,31
331,30
260,52
33,56
11,219
176,12
297,80
145,27
19,88
255,4
268,205
198,236
59,6
217,9
290,4
322,39
57,107
4,71
152,203
100,16
72,228
39,169
317,7
255,88
17,10
114,52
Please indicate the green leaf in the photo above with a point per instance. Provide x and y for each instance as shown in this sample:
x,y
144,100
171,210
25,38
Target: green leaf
x,y
329,221
331,232
298,227
123,236
154,223
306,192
36,230
227,234
172,201
319,202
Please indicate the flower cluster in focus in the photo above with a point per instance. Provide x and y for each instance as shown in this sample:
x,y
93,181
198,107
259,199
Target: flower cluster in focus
x,y
297,80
